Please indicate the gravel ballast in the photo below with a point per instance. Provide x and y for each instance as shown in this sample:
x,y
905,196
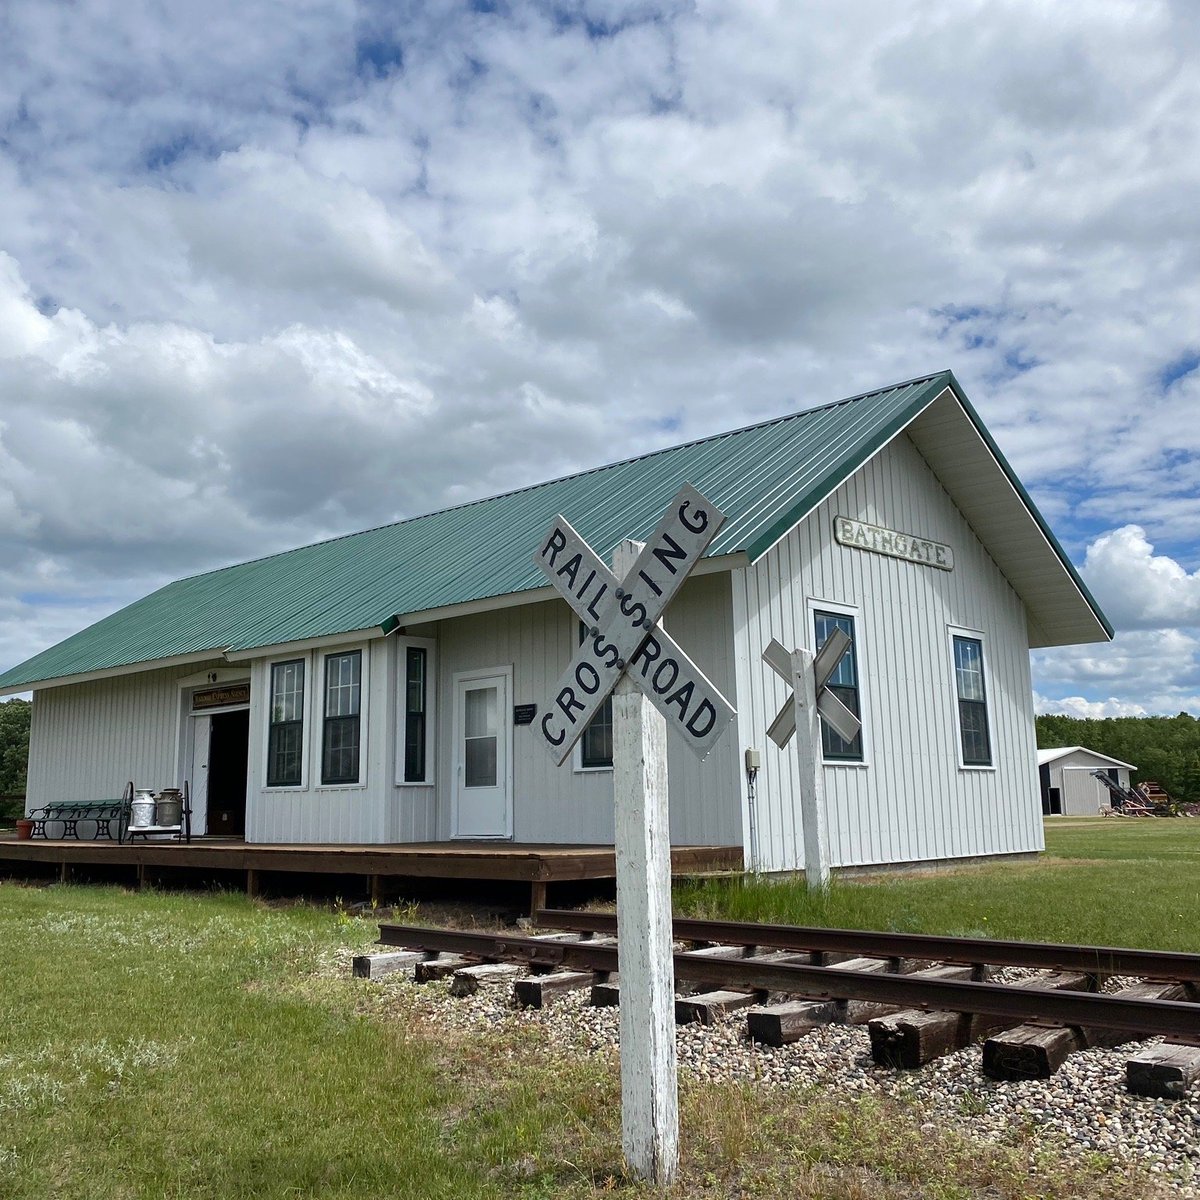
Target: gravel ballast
x,y
1083,1109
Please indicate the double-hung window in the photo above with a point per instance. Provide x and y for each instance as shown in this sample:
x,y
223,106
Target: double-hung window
x,y
844,684
413,750
342,735
971,687
285,739
596,744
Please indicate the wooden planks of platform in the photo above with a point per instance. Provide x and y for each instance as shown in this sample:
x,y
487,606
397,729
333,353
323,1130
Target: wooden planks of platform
x,y
534,863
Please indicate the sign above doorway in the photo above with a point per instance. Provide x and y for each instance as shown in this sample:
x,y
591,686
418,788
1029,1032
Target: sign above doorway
x,y
221,697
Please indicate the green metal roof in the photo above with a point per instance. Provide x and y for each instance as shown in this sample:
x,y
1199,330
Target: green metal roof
x,y
765,478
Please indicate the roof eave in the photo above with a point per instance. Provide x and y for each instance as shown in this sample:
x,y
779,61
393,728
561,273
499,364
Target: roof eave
x,y
114,672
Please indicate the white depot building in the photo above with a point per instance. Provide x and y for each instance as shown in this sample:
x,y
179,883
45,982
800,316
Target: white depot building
x,y
383,687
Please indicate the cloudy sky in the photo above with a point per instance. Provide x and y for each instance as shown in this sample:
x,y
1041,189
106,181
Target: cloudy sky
x,y
275,270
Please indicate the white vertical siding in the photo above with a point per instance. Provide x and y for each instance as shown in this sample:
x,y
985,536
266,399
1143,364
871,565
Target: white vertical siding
x,y
89,739
560,804
911,801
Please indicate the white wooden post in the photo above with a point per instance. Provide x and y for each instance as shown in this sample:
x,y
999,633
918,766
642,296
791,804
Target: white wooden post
x,y
812,775
649,1071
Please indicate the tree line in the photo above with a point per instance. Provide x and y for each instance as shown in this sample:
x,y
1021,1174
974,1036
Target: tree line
x,y
14,756
1165,749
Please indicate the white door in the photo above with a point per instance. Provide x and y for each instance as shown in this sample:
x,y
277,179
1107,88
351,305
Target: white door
x,y
482,756
198,778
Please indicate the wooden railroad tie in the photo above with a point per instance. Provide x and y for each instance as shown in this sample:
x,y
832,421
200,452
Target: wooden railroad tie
x,y
538,991
379,966
914,1037
1037,1051
1165,1072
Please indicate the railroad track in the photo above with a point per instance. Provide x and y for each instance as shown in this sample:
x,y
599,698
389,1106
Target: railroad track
x,y
920,996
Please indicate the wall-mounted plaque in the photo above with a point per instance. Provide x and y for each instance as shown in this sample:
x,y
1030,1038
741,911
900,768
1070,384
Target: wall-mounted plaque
x,y
907,546
523,714
221,697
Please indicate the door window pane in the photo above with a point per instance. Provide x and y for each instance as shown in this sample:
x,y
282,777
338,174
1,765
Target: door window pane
x,y
480,742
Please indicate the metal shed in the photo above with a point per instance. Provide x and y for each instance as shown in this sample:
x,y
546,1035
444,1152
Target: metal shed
x,y
1069,787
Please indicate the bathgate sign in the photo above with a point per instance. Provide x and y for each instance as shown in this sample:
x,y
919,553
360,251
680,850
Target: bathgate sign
x,y
878,540
622,631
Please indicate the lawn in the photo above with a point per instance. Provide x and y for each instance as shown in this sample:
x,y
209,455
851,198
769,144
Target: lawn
x,y
200,1045
204,1045
1112,882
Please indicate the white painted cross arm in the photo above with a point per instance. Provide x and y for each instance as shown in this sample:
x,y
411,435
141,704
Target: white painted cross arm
x,y
787,666
621,630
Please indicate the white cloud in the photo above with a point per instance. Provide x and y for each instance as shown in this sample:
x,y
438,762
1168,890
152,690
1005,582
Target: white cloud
x,y
1138,588
1077,706
1156,670
289,269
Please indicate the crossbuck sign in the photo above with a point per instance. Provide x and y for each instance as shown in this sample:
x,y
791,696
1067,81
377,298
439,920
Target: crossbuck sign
x,y
808,675
622,631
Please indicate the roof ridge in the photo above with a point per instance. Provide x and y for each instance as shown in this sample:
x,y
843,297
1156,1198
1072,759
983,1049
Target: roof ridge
x,y
531,487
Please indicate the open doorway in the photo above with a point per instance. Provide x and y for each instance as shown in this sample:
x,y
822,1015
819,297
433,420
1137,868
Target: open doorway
x,y
220,754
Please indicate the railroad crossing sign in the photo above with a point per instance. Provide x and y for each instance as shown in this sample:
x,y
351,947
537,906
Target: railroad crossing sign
x,y
620,617
837,716
626,650
808,675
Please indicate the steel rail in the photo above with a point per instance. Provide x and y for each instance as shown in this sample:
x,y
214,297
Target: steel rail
x,y
1095,960
1179,1020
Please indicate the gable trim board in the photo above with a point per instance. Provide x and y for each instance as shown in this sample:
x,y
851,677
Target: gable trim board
x,y
905,458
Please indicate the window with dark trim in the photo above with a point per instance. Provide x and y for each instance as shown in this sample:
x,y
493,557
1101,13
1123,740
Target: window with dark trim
x,y
342,727
972,702
416,701
844,684
596,744
285,736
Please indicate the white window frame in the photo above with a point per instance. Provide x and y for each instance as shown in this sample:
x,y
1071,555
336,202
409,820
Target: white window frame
x,y
577,767
318,715
974,635
431,694
814,605
305,725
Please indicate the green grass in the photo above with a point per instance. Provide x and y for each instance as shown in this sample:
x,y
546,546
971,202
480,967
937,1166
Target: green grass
x,y
1115,882
157,1045
1173,840
152,1046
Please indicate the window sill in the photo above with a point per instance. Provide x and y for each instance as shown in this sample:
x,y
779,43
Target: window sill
x,y
340,787
591,770
410,783
280,789
976,766
845,762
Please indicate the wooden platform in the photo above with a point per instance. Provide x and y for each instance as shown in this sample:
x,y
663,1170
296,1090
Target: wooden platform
x,y
530,862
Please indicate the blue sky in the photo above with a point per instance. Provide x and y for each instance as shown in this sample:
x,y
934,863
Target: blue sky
x,y
274,271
